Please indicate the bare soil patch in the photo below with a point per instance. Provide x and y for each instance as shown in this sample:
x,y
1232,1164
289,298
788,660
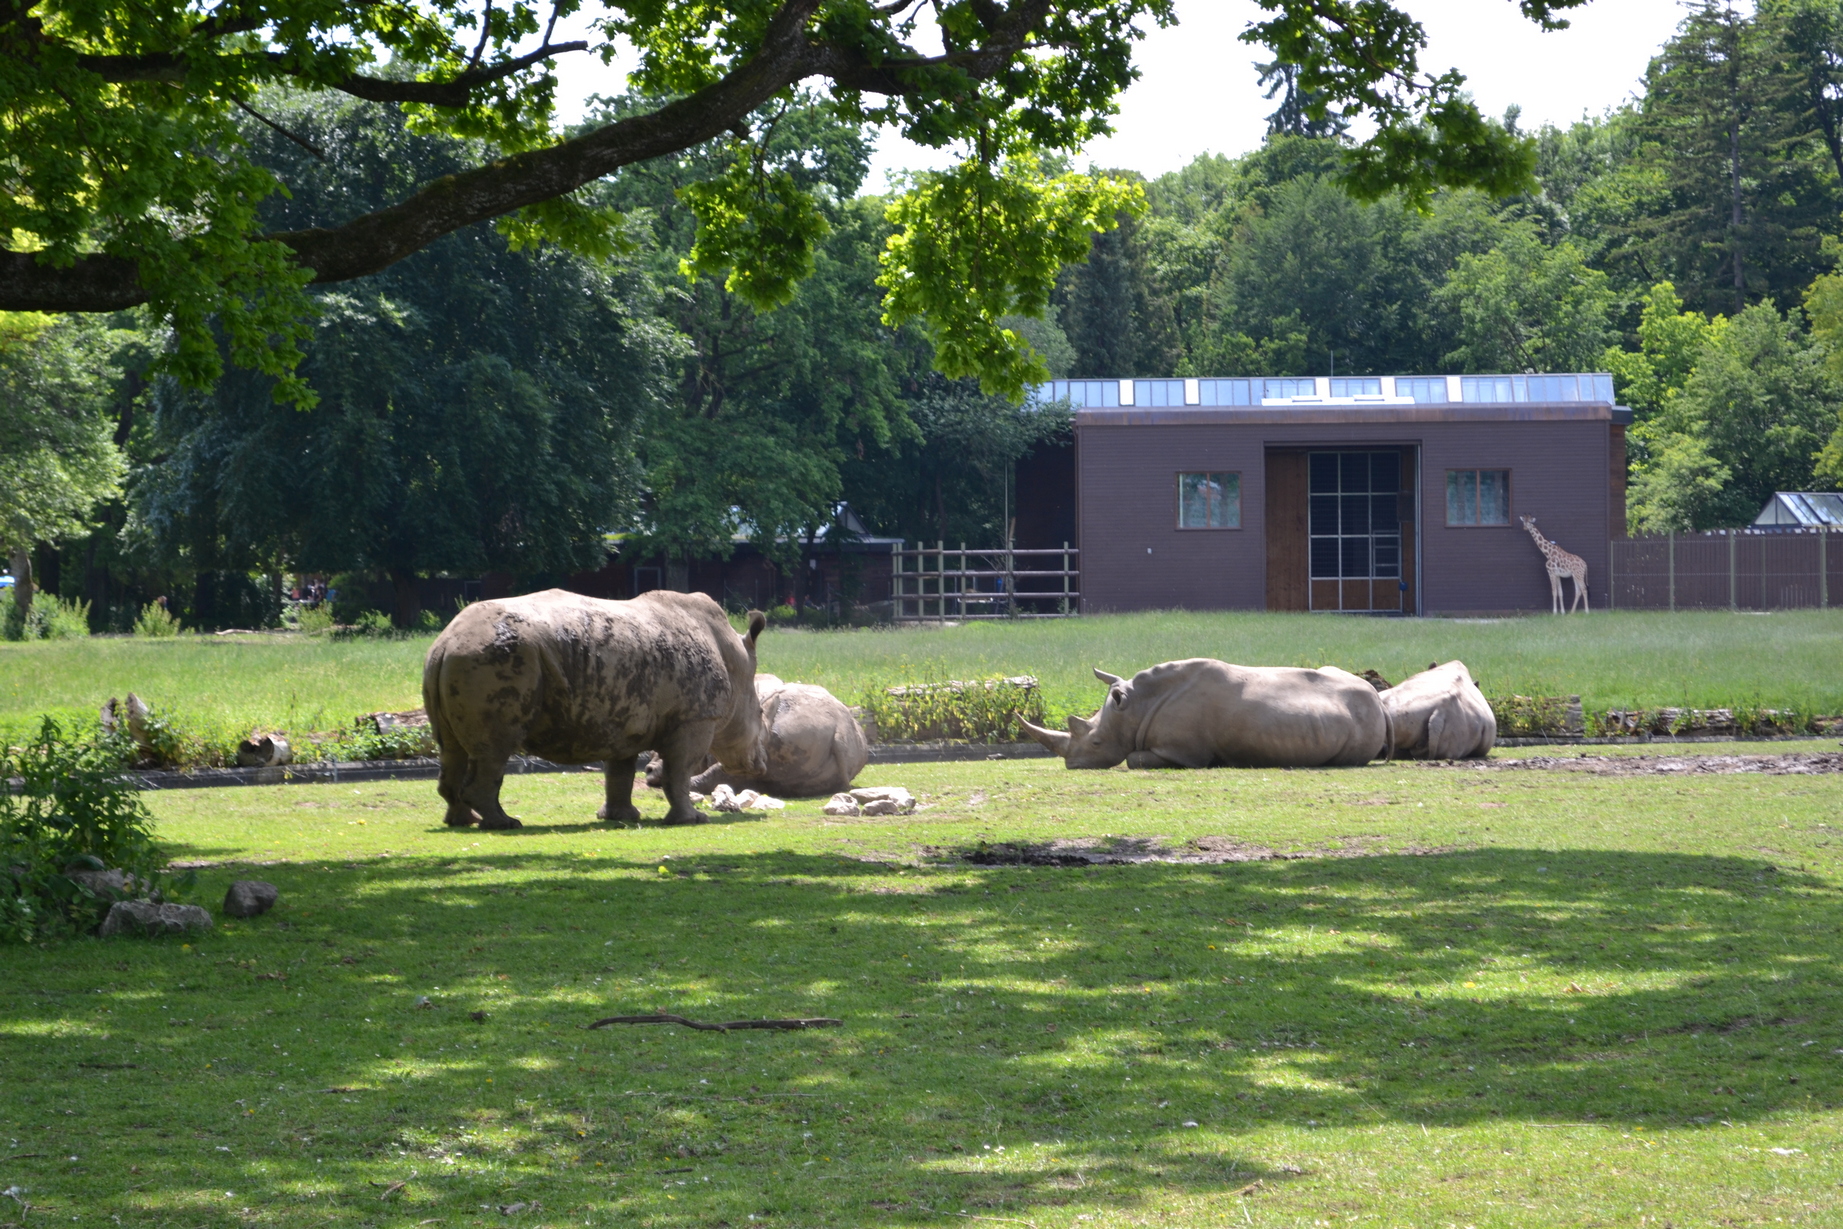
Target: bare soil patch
x,y
1133,850
1792,764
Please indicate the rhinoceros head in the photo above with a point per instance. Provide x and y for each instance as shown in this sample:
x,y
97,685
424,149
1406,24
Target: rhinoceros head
x,y
737,743
1093,742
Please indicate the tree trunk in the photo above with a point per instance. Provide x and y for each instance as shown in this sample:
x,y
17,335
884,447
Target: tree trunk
x,y
22,586
408,599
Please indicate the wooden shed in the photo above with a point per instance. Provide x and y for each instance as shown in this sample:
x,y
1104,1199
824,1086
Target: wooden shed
x,y
1364,494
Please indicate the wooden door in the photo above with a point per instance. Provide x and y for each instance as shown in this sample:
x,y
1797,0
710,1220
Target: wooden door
x,y
1286,531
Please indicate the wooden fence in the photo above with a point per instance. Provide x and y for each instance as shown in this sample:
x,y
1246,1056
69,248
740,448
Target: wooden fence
x,y
1728,569
939,582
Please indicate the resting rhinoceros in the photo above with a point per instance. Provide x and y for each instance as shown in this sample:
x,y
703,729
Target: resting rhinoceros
x,y
575,679
1439,714
1202,713
811,745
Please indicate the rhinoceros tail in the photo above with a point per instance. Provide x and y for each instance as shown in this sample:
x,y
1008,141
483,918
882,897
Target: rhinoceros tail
x,y
757,623
432,693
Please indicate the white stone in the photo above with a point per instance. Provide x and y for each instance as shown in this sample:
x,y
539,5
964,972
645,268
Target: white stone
x,y
901,800
843,804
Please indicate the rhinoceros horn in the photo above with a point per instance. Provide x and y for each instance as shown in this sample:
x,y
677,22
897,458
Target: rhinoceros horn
x,y
1055,740
1109,679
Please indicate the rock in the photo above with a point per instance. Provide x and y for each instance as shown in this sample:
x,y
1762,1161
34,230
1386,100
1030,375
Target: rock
x,y
261,750
140,917
843,804
723,798
384,723
140,719
104,883
1375,680
884,800
250,898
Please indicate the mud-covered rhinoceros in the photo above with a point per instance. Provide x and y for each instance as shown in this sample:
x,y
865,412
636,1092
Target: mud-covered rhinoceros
x,y
1440,714
1202,713
811,746
576,679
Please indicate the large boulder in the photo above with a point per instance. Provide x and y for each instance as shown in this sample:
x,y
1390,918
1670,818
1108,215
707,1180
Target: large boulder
x,y
811,746
576,680
250,898
140,917
1440,714
1202,713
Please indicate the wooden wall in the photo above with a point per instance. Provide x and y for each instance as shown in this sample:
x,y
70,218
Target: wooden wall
x,y
1135,558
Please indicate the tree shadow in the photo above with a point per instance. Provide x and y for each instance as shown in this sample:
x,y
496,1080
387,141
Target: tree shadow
x,y
1100,1010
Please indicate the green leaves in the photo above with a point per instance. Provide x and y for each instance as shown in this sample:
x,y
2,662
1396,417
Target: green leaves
x,y
758,226
986,240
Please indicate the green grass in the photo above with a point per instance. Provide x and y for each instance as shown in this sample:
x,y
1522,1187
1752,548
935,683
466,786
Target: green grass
x,y
298,683
1540,999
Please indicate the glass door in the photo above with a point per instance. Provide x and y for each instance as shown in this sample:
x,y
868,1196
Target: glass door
x,y
1355,530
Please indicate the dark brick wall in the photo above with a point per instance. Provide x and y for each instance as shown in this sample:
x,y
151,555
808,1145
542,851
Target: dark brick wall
x,y
1135,558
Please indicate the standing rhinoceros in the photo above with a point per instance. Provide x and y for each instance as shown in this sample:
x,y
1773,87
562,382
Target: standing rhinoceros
x,y
575,679
811,745
1439,714
1202,713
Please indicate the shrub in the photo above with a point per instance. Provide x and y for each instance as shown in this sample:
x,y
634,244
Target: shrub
x,y
313,620
74,810
51,618
156,621
977,710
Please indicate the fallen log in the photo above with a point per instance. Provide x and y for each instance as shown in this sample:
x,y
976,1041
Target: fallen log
x,y
798,1022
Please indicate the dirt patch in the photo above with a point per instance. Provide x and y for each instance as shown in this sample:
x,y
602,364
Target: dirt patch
x,y
1133,850
1795,764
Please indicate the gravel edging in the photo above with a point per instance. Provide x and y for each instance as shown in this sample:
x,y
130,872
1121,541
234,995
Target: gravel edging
x,y
426,769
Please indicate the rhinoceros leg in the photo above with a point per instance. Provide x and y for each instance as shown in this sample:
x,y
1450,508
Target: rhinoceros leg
x,y
454,776
619,807
486,772
681,749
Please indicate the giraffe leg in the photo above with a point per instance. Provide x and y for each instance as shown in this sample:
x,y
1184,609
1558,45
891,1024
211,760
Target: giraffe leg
x,y
1580,592
1555,593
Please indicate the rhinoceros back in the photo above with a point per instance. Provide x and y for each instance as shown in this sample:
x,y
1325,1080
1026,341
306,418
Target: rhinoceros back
x,y
574,678
1202,711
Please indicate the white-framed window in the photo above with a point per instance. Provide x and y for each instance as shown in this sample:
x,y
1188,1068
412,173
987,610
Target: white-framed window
x,y
1477,497
1209,500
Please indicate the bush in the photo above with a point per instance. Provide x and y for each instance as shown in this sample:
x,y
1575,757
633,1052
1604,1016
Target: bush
x,y
313,620
74,810
979,710
156,621
51,618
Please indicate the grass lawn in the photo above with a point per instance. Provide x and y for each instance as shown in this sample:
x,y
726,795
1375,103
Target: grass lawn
x,y
226,686
1526,999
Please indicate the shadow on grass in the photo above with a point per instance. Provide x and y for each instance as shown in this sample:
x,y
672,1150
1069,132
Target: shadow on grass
x,y
1098,1011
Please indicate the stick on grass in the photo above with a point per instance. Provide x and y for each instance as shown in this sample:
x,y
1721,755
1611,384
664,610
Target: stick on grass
x,y
797,1022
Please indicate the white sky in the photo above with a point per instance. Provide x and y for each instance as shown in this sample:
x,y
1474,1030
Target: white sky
x,y
1197,91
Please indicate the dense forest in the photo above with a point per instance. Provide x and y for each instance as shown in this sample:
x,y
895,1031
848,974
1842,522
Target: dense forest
x,y
496,405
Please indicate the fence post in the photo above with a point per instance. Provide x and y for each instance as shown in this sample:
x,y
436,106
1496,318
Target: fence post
x,y
1065,577
960,585
1612,574
1673,570
1823,568
1733,602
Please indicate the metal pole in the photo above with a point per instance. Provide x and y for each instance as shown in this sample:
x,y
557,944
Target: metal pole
x,y
1823,568
940,578
960,588
1733,602
1673,569
1612,575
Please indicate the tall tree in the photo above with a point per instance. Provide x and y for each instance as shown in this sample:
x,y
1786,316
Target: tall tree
x,y
477,405
129,180
58,457
1732,190
1524,306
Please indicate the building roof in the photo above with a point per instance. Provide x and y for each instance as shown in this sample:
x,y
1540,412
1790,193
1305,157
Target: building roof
x,y
1802,508
1575,395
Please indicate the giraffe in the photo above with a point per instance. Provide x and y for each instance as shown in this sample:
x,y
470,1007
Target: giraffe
x,y
1560,563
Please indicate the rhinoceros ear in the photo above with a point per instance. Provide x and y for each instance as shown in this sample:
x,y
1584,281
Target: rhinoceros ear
x,y
1109,679
757,622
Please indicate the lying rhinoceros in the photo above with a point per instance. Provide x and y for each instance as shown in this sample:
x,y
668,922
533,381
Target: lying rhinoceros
x,y
811,745
1202,713
576,679
1439,714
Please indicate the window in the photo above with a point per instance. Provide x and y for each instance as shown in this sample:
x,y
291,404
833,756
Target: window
x,y
1423,390
1158,393
1082,393
1209,501
1280,390
1478,497
1222,392
1356,386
